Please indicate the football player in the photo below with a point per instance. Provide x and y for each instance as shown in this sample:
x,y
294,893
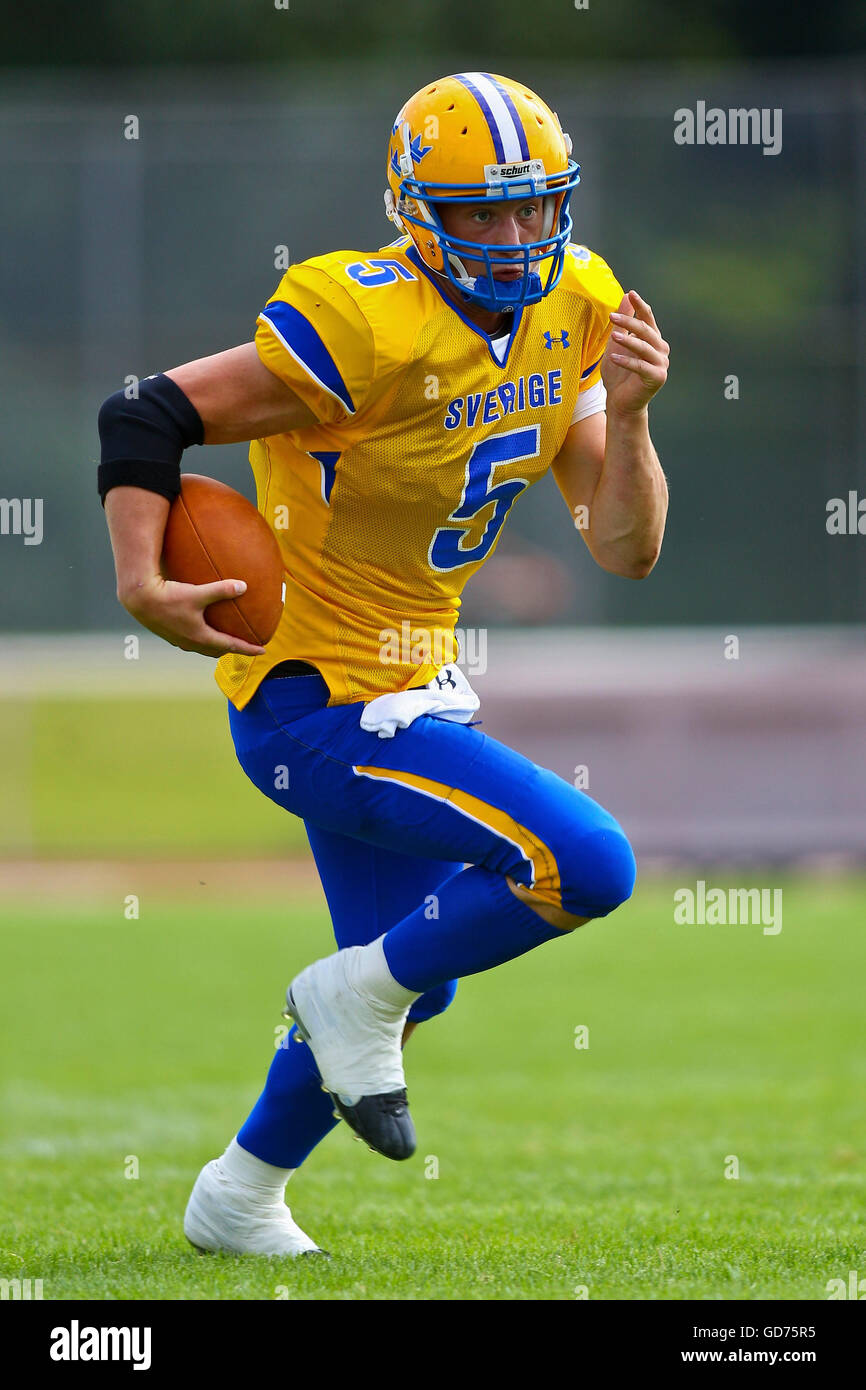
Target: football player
x,y
400,402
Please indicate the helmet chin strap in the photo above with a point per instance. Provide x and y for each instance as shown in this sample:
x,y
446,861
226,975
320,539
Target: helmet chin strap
x,y
461,274
468,285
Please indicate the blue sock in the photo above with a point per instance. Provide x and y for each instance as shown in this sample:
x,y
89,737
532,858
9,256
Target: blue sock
x,y
292,1114
480,924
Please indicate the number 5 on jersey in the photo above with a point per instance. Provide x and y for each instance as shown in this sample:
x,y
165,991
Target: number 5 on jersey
x,y
447,549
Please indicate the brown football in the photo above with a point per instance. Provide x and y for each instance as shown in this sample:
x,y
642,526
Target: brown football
x,y
213,533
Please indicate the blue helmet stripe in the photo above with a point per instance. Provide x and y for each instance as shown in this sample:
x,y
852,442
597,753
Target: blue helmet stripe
x,y
301,340
512,111
488,115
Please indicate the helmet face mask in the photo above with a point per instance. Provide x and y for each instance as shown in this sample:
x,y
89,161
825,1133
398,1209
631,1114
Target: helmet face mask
x,y
539,261
500,143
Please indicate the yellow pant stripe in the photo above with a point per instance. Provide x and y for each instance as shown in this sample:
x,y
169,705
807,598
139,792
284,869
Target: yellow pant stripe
x,y
546,883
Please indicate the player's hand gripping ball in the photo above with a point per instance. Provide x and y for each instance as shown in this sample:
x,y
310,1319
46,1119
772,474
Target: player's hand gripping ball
x,y
212,533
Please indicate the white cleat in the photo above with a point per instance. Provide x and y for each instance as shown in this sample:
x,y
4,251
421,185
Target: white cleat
x,y
224,1214
356,1041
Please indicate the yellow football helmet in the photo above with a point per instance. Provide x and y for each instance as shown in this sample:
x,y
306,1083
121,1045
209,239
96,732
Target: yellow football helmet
x,y
471,137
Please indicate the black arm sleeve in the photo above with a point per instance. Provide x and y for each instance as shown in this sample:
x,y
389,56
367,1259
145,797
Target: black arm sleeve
x,y
143,439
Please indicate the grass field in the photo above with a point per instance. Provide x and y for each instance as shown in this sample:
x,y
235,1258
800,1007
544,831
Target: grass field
x,y
562,1172
84,775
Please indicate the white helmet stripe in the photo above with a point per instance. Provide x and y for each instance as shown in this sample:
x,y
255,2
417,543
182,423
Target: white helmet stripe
x,y
500,114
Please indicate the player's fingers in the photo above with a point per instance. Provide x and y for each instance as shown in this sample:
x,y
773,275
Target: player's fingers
x,y
641,308
193,633
206,594
650,371
639,329
649,351
220,642
216,643
208,641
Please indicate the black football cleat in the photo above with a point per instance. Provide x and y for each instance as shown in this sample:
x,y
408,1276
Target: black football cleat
x,y
382,1122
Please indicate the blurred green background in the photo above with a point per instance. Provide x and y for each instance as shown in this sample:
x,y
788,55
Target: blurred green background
x,y
106,34
88,776
262,128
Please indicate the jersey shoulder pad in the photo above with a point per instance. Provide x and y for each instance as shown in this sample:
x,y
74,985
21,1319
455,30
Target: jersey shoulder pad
x,y
333,332
588,276
389,291
313,335
363,273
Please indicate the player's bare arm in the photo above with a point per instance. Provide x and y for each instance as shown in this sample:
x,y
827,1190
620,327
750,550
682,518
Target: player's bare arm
x,y
608,465
236,399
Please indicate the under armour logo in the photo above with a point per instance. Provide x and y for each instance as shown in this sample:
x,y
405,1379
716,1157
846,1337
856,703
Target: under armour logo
x,y
551,338
446,679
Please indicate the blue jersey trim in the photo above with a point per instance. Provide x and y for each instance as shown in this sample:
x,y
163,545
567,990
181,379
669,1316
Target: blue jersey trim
x,y
300,339
412,255
590,369
327,461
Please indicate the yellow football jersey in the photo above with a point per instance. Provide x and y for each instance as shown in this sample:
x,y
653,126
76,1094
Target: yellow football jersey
x,y
386,507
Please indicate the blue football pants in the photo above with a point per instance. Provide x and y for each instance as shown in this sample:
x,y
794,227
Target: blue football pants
x,y
392,823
